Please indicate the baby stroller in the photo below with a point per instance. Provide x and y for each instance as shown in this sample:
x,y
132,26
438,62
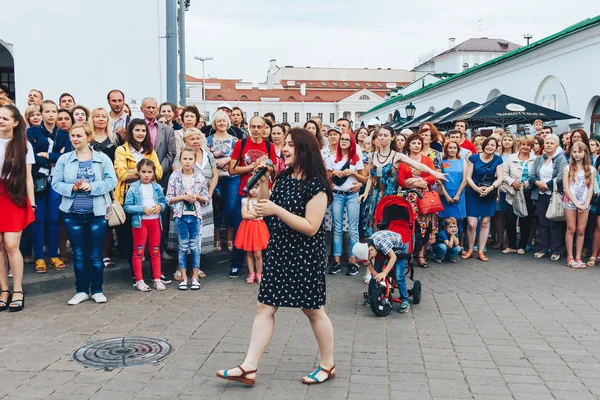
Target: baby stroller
x,y
395,213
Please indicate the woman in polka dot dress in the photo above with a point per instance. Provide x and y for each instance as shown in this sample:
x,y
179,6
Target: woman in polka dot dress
x,y
294,268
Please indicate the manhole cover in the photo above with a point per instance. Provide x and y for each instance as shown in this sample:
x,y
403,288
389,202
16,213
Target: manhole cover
x,y
122,352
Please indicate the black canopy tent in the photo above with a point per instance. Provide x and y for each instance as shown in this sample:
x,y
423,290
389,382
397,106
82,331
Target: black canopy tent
x,y
433,118
447,122
506,110
416,121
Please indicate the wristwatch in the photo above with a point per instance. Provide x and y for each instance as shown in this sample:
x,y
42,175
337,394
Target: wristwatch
x,y
34,206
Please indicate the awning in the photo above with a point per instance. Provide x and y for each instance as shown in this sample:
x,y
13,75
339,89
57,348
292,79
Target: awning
x,y
434,118
506,110
448,121
416,121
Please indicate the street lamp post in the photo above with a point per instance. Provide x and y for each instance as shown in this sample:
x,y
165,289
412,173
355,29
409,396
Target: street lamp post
x,y
410,111
203,59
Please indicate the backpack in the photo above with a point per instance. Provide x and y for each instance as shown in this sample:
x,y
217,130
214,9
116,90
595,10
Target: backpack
x,y
267,143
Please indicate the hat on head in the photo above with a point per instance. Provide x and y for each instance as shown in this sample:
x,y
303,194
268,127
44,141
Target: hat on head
x,y
334,128
373,121
225,105
361,251
406,131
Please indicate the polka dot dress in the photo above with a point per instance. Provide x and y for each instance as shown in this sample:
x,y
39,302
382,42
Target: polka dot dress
x,y
294,267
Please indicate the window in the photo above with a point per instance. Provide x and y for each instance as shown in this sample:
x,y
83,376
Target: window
x,y
336,84
296,117
245,116
465,66
308,116
364,97
256,113
357,84
284,117
380,85
332,118
291,98
323,83
346,84
368,84
320,116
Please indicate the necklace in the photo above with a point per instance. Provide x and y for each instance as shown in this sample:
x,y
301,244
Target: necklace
x,y
386,157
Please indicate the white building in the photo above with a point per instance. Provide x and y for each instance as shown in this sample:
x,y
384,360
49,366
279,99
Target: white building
x,y
84,49
558,72
295,95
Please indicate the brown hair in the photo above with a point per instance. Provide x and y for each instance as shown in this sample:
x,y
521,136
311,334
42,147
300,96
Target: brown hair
x,y
447,144
188,149
585,163
412,138
146,162
14,169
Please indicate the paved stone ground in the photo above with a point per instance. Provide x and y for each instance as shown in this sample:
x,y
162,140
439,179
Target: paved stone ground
x,y
514,328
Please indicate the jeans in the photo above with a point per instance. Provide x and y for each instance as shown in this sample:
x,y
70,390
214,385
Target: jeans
x,y
46,227
340,202
188,232
551,232
228,187
86,233
399,275
238,256
149,231
442,251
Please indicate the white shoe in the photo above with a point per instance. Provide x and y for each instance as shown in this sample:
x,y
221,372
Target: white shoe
x,y
99,298
367,278
158,285
78,298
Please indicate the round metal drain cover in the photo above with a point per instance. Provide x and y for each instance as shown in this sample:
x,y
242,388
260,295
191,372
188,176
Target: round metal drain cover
x,y
122,352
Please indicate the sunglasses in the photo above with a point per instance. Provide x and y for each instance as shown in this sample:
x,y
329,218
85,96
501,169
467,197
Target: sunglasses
x,y
344,140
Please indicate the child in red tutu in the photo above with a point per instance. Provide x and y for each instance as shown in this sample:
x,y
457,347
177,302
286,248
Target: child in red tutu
x,y
252,236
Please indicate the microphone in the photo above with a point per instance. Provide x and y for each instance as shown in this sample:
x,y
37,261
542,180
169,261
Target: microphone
x,y
259,174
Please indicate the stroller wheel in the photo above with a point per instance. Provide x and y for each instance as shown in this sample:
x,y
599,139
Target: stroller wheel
x,y
416,292
380,304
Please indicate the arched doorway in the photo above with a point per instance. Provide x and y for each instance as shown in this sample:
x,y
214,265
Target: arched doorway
x,y
595,120
7,67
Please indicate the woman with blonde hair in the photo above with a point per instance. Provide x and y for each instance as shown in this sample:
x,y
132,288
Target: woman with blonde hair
x,y
508,145
33,115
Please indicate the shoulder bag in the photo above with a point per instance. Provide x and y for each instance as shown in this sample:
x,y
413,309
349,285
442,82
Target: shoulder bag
x,y
488,180
430,203
555,211
115,215
519,204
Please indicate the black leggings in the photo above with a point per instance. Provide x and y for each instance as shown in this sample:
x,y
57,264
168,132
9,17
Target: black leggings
x,y
525,224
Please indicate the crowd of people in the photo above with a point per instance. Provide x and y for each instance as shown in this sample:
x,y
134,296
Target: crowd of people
x,y
186,189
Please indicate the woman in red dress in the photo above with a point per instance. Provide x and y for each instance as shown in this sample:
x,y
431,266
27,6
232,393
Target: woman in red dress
x,y
410,178
17,203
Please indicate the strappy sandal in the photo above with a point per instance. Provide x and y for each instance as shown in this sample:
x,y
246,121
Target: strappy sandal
x,y
230,246
217,247
142,286
330,375
17,305
242,378
466,255
4,304
482,257
580,263
422,265
591,262
108,263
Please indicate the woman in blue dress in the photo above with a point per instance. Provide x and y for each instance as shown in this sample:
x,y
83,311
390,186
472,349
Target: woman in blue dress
x,y
453,196
484,176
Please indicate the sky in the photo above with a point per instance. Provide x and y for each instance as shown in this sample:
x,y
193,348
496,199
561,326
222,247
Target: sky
x,y
243,35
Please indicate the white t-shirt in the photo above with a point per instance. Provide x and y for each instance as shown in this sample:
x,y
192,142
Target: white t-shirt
x,y
332,165
29,158
545,174
148,199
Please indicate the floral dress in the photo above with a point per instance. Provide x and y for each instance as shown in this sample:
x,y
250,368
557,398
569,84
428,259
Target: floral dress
x,y
384,182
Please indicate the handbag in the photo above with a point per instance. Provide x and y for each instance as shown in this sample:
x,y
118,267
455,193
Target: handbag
x,y
340,181
430,203
115,215
487,181
520,204
40,183
555,211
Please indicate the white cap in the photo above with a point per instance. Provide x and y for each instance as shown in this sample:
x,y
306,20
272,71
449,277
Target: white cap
x,y
406,131
225,105
361,251
373,121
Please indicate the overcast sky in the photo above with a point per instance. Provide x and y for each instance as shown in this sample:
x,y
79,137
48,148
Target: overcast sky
x,y
243,35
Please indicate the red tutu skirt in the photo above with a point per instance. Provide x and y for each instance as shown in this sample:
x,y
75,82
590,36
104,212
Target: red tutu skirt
x,y
252,235
14,218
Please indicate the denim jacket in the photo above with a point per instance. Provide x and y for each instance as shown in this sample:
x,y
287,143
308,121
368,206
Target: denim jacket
x,y
176,188
40,137
559,162
65,175
134,202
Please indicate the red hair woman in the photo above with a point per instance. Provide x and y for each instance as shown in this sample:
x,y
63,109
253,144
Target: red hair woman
x,y
17,202
346,170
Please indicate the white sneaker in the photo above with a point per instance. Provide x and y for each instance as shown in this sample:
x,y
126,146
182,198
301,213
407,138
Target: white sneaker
x,y
367,278
99,298
78,298
158,285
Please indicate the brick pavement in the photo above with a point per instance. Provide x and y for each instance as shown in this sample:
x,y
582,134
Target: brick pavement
x,y
514,328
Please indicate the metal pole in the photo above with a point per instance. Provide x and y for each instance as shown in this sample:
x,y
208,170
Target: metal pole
x,y
203,89
171,36
182,75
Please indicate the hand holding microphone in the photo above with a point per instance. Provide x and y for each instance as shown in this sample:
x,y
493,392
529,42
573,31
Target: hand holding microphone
x,y
258,175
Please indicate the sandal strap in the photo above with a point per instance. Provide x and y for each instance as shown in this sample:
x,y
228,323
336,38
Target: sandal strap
x,y
313,375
